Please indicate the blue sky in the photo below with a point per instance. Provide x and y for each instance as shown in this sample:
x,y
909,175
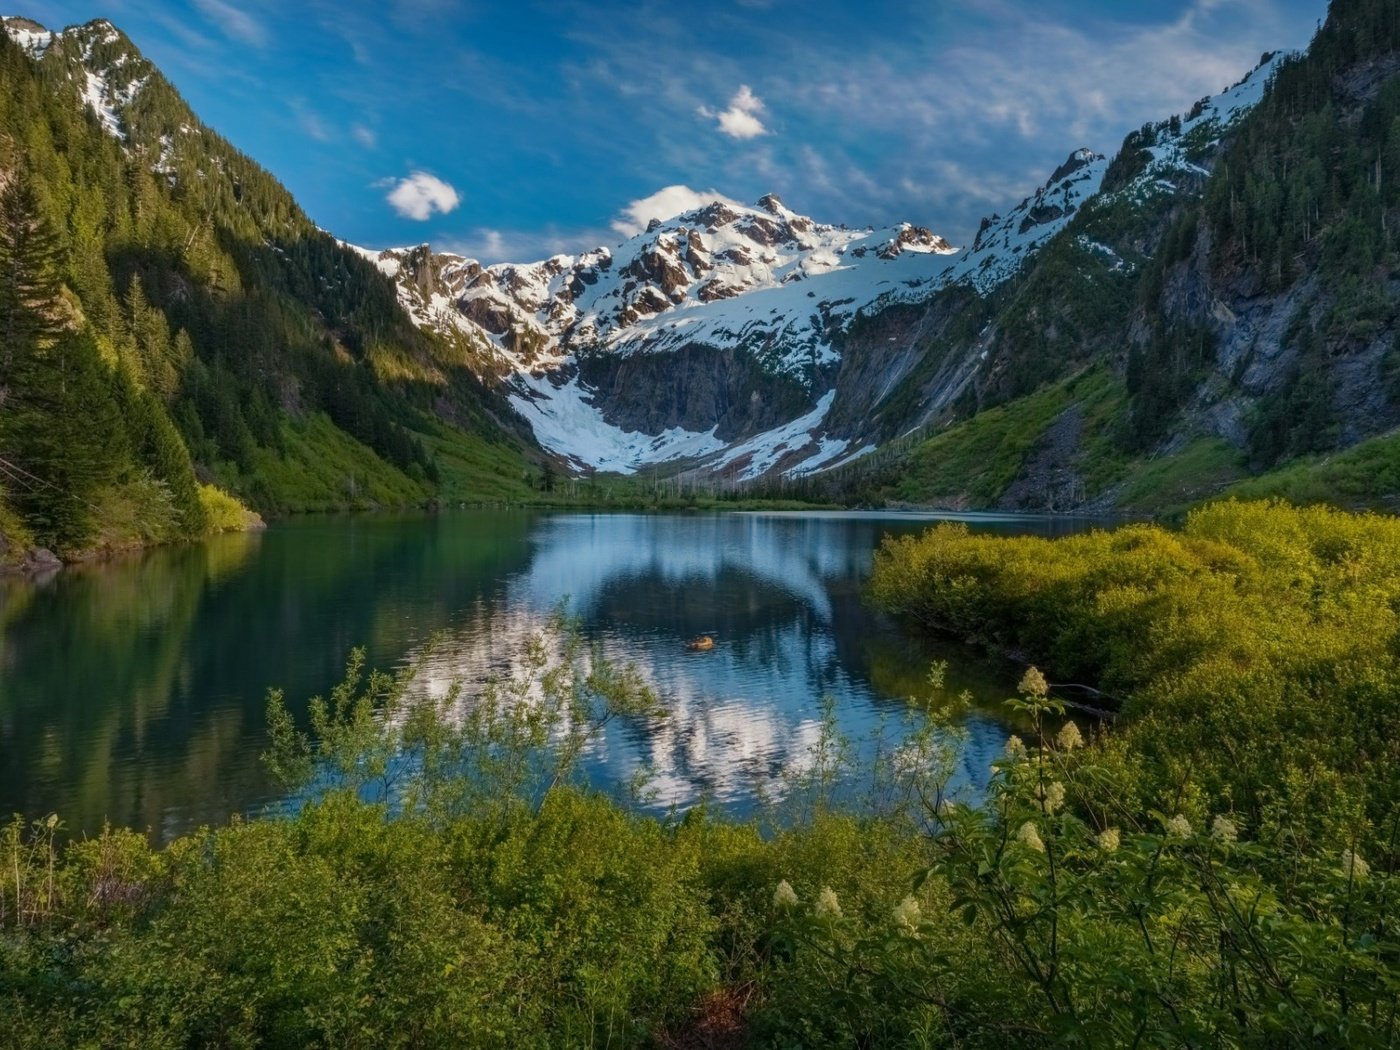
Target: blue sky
x,y
512,130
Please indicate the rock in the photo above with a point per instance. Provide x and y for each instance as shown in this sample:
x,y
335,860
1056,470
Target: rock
x,y
913,237
1078,159
765,231
492,315
1040,215
715,215
40,563
717,289
696,254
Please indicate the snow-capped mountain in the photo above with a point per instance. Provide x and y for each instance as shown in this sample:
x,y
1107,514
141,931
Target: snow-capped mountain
x,y
763,283
723,274
113,73
714,339
720,339
122,88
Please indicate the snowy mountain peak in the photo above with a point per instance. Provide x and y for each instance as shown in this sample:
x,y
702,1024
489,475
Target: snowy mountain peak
x,y
28,34
721,274
576,339
106,67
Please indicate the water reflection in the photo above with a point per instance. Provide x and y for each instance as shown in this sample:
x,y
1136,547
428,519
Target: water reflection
x,y
134,692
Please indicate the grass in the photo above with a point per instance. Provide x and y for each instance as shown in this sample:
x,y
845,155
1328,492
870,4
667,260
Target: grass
x,y
1364,476
974,462
1199,471
323,469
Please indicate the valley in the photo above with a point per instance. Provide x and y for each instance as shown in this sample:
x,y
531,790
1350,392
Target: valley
x,y
721,626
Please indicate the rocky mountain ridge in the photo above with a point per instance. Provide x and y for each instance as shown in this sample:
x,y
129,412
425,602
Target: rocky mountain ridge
x,y
759,293
738,343
714,341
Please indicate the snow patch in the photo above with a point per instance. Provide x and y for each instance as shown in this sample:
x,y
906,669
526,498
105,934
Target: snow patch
x,y
98,99
566,423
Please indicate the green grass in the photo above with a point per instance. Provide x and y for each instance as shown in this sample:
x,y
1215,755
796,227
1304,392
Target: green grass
x,y
975,461
323,469
474,470
1199,471
1364,476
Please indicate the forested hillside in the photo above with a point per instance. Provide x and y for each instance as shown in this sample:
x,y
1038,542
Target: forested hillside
x,y
1231,314
171,318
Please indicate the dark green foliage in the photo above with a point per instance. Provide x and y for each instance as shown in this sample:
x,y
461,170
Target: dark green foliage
x,y
1298,417
1161,375
227,314
1131,161
61,436
157,444
63,439
29,277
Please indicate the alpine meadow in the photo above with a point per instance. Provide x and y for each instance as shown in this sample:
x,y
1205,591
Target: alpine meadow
x,y
846,619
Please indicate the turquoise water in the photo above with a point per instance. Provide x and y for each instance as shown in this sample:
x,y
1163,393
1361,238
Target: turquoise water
x,y
134,691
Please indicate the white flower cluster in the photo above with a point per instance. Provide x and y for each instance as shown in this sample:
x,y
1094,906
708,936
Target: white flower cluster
x,y
1069,737
907,914
1179,827
1223,829
1033,683
827,905
1050,797
785,896
1029,836
1109,840
1353,867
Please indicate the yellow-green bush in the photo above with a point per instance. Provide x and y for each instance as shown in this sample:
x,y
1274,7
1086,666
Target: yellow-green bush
x,y
1262,637
223,513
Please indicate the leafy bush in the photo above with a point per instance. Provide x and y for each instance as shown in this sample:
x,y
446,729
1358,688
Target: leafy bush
x,y
1260,640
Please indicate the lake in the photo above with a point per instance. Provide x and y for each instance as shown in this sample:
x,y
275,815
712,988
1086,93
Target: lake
x,y
134,691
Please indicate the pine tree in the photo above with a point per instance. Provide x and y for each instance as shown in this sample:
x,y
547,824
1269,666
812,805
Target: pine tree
x,y
29,277
63,437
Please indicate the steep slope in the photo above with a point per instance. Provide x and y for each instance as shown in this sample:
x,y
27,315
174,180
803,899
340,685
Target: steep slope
x,y
265,349
1287,267
1235,283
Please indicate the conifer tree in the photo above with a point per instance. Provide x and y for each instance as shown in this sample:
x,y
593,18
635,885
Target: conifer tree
x,y
29,278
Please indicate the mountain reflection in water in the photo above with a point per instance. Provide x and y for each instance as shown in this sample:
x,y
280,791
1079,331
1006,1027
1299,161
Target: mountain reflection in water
x,y
134,691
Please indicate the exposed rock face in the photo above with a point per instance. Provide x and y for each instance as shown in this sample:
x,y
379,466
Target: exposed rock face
x,y
1051,479
696,388
914,238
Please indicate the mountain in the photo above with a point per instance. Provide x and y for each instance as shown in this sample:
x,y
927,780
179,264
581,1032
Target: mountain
x,y
742,308
175,283
1209,309
1220,318
739,342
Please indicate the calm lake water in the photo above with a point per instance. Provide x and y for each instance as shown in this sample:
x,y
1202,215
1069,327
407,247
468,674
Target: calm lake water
x,y
134,692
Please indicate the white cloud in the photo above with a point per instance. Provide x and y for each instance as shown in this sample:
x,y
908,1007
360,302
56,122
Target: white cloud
x,y
664,204
365,136
420,195
311,122
740,120
235,23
